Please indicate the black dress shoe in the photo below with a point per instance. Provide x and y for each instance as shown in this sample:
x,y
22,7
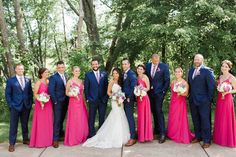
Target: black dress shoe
x,y
162,139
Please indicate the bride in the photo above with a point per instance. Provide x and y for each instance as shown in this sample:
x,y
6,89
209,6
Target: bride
x,y
115,130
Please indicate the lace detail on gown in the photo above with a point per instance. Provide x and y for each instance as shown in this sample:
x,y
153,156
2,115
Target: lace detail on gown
x,y
115,130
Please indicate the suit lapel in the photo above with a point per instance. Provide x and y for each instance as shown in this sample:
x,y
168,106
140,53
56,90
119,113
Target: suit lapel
x,y
149,69
59,78
94,77
18,83
191,74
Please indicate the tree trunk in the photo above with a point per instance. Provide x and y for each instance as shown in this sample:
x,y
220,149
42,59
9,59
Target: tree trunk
x,y
80,25
91,23
19,27
163,51
118,46
64,28
5,42
109,62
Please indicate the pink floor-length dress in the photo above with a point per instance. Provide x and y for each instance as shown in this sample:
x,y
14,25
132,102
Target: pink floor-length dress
x,y
145,131
178,127
77,120
42,124
225,124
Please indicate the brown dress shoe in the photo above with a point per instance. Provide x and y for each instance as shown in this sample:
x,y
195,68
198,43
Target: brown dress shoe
x,y
130,142
195,141
206,145
55,144
26,142
11,148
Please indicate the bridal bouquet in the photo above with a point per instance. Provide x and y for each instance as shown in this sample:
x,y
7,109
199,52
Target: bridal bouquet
x,y
139,91
119,97
224,87
179,88
43,98
74,91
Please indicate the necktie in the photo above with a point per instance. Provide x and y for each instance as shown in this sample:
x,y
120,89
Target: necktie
x,y
195,73
63,79
22,83
154,70
125,76
97,76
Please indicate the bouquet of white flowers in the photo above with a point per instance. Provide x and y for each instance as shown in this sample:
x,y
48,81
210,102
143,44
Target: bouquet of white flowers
x,y
43,98
74,91
119,97
139,91
180,88
224,87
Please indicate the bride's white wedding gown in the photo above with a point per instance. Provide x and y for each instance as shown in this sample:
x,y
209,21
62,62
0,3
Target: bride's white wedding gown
x,y
115,130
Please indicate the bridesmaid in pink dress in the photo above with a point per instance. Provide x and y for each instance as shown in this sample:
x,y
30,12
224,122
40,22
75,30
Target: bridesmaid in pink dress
x,y
178,127
225,123
77,118
42,124
145,132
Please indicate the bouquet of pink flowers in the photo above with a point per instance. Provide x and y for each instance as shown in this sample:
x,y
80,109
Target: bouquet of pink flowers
x,y
74,91
179,88
119,97
43,98
224,87
139,91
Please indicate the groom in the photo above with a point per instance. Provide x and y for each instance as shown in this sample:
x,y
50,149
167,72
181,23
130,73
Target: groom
x,y
201,86
95,89
56,88
130,81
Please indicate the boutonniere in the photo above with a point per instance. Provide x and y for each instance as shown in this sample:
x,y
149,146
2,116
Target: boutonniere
x,y
26,80
101,75
158,69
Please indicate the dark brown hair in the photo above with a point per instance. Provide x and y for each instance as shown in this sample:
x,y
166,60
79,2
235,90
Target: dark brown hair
x,y
60,62
120,80
142,66
41,71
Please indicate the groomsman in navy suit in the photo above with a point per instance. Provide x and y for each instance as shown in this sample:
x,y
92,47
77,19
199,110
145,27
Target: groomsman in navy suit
x,y
56,88
19,97
130,81
201,86
159,76
95,89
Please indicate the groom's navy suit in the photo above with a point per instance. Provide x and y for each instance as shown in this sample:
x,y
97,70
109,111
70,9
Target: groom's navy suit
x,y
96,96
201,89
57,90
20,102
130,81
159,85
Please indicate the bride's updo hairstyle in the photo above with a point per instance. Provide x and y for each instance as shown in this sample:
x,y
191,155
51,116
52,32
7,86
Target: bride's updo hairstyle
x,y
118,70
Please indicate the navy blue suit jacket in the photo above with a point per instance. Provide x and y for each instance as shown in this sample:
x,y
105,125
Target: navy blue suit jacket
x,y
161,81
129,83
94,90
202,86
57,89
16,97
